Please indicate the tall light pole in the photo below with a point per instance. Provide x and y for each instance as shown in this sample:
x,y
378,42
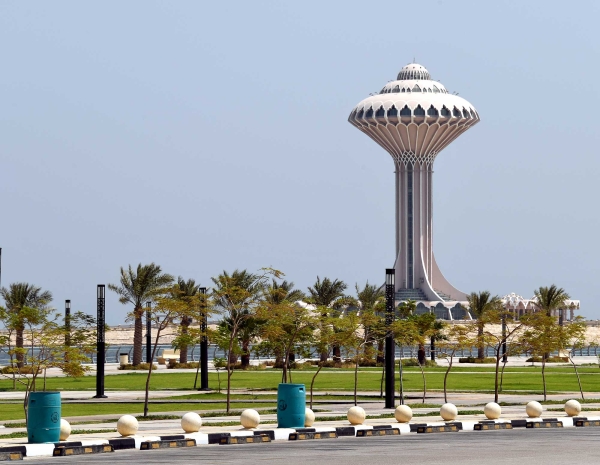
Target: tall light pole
x,y
148,332
67,323
204,345
100,343
390,274
504,356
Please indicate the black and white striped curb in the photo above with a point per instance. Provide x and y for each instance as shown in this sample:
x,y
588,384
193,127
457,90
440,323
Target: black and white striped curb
x,y
283,434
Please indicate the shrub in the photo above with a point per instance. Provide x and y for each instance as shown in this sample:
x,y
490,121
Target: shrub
x,y
552,359
307,365
476,360
176,364
141,366
26,370
413,362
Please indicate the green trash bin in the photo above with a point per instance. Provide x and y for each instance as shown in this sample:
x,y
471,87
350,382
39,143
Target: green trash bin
x,y
43,417
291,405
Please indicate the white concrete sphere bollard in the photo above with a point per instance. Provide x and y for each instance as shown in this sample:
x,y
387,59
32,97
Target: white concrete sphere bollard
x,y
449,412
127,425
250,418
572,408
492,411
356,415
534,409
403,413
65,429
191,422
309,417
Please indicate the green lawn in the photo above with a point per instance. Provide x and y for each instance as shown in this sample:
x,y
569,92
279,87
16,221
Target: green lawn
x,y
460,379
14,411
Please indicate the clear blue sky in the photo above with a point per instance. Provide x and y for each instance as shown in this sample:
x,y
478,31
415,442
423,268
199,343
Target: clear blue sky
x,y
209,136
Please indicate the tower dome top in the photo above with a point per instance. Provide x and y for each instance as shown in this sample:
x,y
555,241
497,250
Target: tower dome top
x,y
413,71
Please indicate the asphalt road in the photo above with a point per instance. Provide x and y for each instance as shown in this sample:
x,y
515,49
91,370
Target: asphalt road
x,y
521,447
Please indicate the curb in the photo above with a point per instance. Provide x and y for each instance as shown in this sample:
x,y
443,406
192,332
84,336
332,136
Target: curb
x,y
280,434
65,451
167,444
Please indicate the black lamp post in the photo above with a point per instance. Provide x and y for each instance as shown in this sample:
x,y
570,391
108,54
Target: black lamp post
x,y
504,356
67,323
148,332
390,275
204,345
100,343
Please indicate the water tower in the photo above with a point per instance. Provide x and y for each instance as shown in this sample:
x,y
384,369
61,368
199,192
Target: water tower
x,y
413,118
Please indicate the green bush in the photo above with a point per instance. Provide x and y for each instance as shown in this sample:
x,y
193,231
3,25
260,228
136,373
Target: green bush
x,y
141,366
26,370
548,360
476,360
307,365
176,364
413,362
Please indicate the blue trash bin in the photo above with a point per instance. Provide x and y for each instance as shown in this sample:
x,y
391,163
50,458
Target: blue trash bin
x,y
43,417
291,405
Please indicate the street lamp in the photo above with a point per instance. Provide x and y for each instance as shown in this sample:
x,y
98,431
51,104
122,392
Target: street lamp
x,y
100,343
204,345
390,277
67,323
148,333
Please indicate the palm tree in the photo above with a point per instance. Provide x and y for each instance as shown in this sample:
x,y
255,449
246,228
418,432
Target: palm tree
x,y
238,297
372,299
326,295
479,304
186,289
276,294
17,297
549,299
136,287
247,289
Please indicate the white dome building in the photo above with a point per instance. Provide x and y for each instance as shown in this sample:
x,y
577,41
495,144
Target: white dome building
x,y
414,119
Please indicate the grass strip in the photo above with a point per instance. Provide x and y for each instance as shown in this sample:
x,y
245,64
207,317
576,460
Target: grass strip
x,y
15,411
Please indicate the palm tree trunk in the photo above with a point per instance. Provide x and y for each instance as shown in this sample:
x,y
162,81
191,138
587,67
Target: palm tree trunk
x,y
421,355
138,336
245,358
19,345
183,349
480,346
337,354
424,382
